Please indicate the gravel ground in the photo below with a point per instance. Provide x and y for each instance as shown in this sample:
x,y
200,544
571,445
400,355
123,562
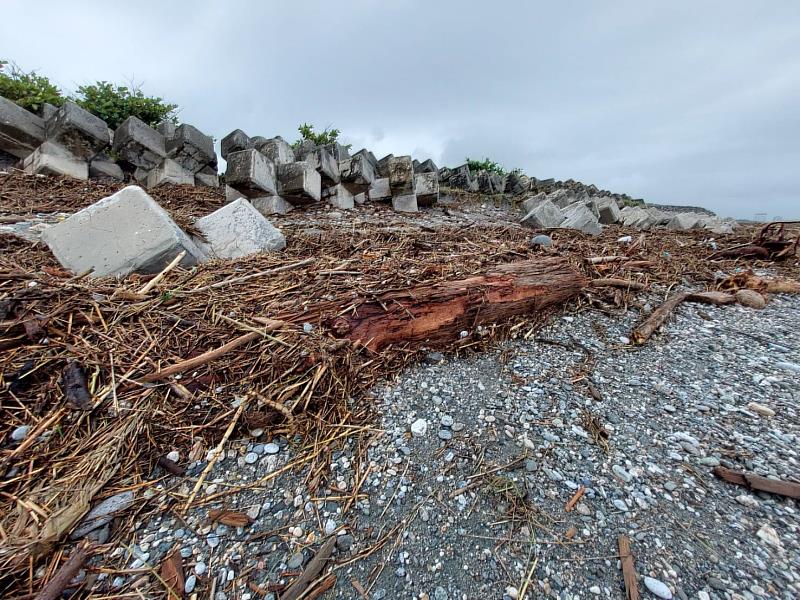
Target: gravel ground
x,y
467,485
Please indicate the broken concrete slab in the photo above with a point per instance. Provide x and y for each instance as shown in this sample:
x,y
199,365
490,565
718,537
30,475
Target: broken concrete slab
x,y
202,179
124,233
271,205
400,170
21,131
461,178
167,129
684,221
322,161
52,159
138,144
579,216
427,166
276,149
298,182
405,203
251,173
103,168
191,148
370,157
383,166
608,210
533,201
7,160
231,194
339,196
426,188
78,130
169,171
337,151
543,215
238,229
356,174
47,112
236,141
516,183
379,191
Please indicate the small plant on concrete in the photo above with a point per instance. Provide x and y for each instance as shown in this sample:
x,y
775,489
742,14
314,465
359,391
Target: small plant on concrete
x,y
115,103
485,165
27,89
328,135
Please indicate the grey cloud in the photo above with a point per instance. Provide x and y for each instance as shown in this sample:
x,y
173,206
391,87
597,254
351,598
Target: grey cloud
x,y
680,102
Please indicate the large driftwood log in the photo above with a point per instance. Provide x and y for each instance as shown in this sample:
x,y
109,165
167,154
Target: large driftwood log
x,y
439,312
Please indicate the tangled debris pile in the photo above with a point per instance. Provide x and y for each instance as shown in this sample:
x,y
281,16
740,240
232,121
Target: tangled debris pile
x,y
179,363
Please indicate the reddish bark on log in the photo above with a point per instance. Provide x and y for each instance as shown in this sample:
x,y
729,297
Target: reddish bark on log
x,y
439,312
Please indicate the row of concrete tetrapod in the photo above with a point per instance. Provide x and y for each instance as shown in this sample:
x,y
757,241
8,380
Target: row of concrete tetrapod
x,y
563,208
277,177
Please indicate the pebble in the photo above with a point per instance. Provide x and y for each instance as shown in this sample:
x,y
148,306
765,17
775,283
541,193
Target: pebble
x,y
419,428
295,561
20,433
190,584
761,409
250,458
212,539
445,434
620,504
174,456
658,588
622,473
541,240
271,448
447,421
747,500
200,568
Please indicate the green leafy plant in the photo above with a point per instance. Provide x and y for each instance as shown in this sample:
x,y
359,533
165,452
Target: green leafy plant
x,y
27,89
115,103
485,165
328,135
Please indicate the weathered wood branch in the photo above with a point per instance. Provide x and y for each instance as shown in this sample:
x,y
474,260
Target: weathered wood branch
x,y
789,489
439,312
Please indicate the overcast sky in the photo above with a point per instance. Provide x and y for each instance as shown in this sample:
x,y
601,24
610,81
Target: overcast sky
x,y
680,102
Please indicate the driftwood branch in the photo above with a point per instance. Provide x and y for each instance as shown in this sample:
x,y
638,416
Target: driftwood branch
x,y
658,317
439,312
757,482
628,568
618,283
66,573
314,568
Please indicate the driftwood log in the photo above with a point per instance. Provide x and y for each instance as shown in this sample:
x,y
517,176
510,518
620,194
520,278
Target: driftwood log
x,y
439,312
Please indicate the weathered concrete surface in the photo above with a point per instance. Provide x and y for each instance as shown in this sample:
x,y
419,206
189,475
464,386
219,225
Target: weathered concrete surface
x,y
238,229
276,149
124,233
169,171
543,216
52,159
78,130
382,168
379,190
232,194
236,141
21,132
356,174
299,182
533,201
405,203
104,168
339,196
191,148
401,175
321,160
138,144
337,151
426,188
203,179
461,178
427,166
271,205
579,216
684,221
251,173
608,210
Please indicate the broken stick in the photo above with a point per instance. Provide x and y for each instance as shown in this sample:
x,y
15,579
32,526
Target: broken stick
x,y
628,568
757,482
659,316
66,573
314,568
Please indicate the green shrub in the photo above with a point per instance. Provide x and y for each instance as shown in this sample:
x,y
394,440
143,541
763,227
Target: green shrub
x,y
29,90
485,165
326,136
115,103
